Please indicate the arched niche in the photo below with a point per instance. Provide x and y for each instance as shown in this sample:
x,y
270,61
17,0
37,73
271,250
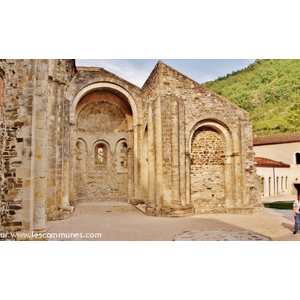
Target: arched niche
x,y
81,155
212,168
207,168
122,156
105,114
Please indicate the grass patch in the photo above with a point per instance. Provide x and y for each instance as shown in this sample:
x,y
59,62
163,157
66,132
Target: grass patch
x,y
280,205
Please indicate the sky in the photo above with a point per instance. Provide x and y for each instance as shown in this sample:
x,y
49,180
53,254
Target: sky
x,y
137,71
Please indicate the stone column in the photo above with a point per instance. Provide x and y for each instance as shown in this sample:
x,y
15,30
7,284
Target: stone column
x,y
188,178
182,158
229,183
59,147
135,181
237,181
240,198
159,156
72,163
66,155
151,159
40,139
175,152
51,159
131,165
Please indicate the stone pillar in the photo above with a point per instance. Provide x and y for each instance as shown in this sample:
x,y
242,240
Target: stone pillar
x,y
40,139
51,164
237,187
229,183
159,156
66,155
188,178
182,158
151,159
135,181
72,163
175,152
240,198
131,165
144,167
59,147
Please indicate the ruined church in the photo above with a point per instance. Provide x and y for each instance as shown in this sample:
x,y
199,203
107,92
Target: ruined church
x,y
76,134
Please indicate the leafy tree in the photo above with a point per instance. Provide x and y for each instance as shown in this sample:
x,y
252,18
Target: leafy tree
x,y
269,89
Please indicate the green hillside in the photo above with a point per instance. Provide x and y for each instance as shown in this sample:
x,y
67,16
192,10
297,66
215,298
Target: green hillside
x,y
269,90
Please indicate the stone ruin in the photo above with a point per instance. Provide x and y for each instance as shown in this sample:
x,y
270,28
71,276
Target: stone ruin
x,y
73,134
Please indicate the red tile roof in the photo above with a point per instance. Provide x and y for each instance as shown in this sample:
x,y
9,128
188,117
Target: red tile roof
x,y
277,139
269,163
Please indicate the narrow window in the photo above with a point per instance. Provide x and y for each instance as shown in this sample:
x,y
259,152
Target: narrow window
x,y
277,184
262,185
270,186
286,182
282,183
101,155
297,158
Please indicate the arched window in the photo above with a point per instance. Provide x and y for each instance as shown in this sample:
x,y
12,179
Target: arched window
x,y
270,181
286,182
281,182
297,158
101,155
277,185
262,185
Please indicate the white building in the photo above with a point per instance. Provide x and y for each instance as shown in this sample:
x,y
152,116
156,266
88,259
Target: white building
x,y
278,163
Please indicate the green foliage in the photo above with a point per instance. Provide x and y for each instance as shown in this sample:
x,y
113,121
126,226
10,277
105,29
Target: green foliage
x,y
280,205
269,90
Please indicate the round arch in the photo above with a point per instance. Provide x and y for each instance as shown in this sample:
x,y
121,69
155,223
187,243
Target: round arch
x,y
128,99
221,128
98,86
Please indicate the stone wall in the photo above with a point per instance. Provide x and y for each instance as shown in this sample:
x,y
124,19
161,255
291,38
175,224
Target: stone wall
x,y
187,106
16,153
103,143
60,72
27,96
89,81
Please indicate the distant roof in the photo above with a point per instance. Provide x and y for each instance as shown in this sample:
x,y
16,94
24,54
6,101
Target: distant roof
x,y
269,163
277,139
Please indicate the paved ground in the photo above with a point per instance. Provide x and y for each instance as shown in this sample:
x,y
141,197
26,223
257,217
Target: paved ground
x,y
123,222
220,235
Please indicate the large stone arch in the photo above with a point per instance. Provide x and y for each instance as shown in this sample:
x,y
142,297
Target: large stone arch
x,y
211,167
124,102
100,86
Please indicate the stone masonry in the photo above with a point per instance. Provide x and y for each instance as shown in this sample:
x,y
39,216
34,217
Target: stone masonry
x,y
71,135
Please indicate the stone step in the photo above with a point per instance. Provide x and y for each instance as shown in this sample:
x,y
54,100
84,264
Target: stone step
x,y
141,207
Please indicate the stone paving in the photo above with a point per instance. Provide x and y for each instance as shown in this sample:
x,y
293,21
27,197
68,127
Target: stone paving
x,y
123,222
220,235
